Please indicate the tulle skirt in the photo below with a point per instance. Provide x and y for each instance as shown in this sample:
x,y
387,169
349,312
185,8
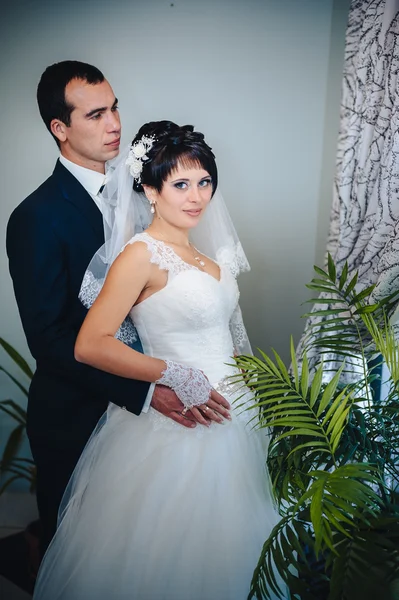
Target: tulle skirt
x,y
156,511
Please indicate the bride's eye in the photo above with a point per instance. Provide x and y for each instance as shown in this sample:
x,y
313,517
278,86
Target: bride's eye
x,y
181,185
205,182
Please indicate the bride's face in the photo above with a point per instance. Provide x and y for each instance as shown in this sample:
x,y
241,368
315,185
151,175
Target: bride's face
x,y
184,197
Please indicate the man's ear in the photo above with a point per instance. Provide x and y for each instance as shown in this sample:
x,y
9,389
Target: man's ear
x,y
58,129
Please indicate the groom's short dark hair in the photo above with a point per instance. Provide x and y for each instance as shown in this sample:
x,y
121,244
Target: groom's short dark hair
x,y
51,89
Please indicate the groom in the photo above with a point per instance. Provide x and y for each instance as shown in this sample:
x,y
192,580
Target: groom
x,y
51,238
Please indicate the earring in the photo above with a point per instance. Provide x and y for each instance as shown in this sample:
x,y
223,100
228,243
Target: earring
x,y
152,209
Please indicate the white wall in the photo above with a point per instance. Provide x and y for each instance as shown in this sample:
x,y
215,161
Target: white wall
x,y
260,78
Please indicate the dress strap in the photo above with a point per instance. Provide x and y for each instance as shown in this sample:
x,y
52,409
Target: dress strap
x,y
162,255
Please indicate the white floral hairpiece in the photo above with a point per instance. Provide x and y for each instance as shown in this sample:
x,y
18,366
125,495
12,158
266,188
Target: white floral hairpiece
x,y
138,154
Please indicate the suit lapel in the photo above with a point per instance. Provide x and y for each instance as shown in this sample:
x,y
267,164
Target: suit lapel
x,y
75,193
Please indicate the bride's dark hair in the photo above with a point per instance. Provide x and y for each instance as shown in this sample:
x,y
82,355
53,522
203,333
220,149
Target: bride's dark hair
x,y
173,146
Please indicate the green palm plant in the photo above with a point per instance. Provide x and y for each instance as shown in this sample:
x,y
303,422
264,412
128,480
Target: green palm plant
x,y
13,467
334,451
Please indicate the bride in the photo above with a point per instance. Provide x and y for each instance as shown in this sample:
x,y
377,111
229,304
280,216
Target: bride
x,y
156,511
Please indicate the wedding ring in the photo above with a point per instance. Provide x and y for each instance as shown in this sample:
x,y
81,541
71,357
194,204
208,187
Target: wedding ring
x,y
206,407
183,412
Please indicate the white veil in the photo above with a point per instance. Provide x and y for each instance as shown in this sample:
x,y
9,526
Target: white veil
x,y
126,213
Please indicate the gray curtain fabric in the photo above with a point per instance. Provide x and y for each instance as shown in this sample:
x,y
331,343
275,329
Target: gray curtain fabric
x,y
364,229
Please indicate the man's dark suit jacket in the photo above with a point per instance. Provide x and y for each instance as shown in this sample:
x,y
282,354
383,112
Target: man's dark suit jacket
x,y
51,238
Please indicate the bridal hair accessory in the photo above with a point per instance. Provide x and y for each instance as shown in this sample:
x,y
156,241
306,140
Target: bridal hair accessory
x,y
137,155
189,384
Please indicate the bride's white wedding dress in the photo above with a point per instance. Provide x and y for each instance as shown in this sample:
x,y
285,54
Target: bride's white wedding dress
x,y
156,511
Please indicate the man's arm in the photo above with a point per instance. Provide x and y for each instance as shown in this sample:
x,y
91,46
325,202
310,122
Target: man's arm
x,y
37,267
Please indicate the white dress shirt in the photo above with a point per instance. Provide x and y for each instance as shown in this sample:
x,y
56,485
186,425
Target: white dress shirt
x,y
92,181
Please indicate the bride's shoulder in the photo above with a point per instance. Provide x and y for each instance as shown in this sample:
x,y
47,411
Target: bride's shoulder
x,y
138,238
143,247
138,248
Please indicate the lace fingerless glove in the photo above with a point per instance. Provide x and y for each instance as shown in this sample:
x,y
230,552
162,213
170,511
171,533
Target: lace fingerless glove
x,y
189,384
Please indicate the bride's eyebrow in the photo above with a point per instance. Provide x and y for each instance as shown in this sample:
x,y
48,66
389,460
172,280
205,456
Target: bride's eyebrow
x,y
184,179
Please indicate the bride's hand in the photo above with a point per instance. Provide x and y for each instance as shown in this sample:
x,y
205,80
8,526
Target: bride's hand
x,y
216,409
199,400
165,401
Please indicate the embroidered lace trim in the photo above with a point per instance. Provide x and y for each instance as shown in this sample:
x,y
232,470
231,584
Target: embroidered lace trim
x,y
91,287
162,255
190,384
233,257
239,333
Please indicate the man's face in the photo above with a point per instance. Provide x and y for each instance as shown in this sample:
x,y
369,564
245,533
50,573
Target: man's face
x,y
93,136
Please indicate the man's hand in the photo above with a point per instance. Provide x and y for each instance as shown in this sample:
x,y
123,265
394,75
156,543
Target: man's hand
x,y
165,401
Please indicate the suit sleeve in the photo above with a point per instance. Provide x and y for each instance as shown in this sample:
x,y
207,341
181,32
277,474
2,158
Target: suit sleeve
x,y
40,278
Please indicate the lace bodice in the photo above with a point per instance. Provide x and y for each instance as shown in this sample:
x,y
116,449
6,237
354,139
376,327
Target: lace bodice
x,y
189,319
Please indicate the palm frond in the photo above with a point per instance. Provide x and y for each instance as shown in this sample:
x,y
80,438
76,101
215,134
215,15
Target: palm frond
x,y
337,497
295,408
367,566
333,455
282,560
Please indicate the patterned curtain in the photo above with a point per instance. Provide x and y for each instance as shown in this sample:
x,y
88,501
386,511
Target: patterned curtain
x,y
364,228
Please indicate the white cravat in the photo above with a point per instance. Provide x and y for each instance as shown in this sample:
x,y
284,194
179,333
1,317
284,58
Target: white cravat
x,y
92,181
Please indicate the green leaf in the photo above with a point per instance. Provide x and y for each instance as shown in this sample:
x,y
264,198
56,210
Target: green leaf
x,y
316,514
21,387
331,268
322,313
320,446
282,367
320,272
363,294
316,385
344,276
13,467
264,578
294,364
363,310
318,287
329,392
304,377
288,550
298,431
269,365
338,429
8,483
335,410
324,301
17,358
286,409
294,542
7,407
13,444
351,284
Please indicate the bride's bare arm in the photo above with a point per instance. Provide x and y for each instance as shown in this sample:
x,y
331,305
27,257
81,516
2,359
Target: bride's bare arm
x,y
96,345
